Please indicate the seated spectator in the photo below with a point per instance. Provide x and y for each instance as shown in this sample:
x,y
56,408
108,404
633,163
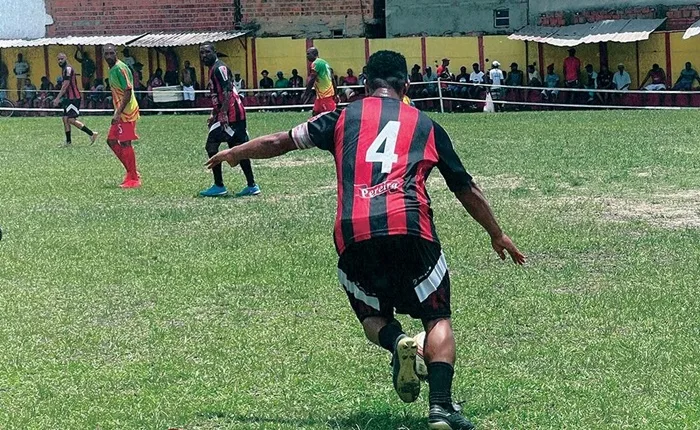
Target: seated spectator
x,y
239,83
139,88
296,81
590,81
431,89
462,91
687,78
59,83
349,80
622,79
443,72
46,94
551,80
476,77
156,81
658,79
413,90
533,76
282,83
266,83
97,95
108,94
29,91
605,82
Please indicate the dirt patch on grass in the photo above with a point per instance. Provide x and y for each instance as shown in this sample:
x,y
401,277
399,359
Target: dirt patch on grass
x,y
674,210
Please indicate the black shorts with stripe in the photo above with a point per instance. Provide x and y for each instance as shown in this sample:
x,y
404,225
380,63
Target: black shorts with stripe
x,y
403,274
235,133
71,108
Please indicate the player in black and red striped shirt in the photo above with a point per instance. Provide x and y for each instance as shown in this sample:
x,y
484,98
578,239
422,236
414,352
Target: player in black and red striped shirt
x,y
69,97
227,122
390,256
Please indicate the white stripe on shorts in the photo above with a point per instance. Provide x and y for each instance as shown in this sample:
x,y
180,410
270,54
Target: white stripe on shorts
x,y
353,289
432,282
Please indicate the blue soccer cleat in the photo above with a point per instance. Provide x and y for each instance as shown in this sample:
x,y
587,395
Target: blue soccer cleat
x,y
249,191
214,191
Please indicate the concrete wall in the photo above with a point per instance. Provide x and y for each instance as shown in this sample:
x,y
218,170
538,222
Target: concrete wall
x,y
543,6
23,19
450,17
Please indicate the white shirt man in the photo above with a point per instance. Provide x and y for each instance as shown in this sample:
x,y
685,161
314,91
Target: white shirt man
x,y
496,75
622,79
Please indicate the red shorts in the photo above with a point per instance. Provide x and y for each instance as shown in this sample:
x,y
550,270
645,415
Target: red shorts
x,y
123,132
324,105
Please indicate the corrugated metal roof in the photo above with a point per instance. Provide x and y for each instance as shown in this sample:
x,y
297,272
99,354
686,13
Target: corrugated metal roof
x,y
621,30
162,40
70,40
694,30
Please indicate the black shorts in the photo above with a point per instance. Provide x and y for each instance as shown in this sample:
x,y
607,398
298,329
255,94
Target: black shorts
x,y
572,84
405,274
235,134
71,108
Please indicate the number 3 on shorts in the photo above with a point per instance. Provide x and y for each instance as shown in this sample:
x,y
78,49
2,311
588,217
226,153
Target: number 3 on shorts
x,y
388,157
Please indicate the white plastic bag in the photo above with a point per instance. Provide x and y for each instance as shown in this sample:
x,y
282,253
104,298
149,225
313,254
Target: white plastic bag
x,y
489,107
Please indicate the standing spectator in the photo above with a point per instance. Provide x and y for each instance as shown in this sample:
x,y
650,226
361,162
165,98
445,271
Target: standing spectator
x,y
4,73
515,79
572,71
281,85
443,72
349,79
128,59
87,67
551,81
496,78
266,83
172,65
590,81
658,79
239,83
605,82
29,91
687,78
533,76
21,73
187,80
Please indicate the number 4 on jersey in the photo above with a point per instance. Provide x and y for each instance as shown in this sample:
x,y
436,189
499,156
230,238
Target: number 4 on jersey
x,y
388,157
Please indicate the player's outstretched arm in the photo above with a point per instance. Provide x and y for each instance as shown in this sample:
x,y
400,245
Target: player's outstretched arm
x,y
272,145
478,207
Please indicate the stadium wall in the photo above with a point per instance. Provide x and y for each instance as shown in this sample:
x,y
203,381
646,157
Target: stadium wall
x,y
250,56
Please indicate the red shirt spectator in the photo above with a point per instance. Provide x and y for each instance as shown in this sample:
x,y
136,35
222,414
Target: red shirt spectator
x,y
572,68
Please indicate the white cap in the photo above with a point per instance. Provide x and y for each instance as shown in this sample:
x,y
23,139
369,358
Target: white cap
x,y
496,64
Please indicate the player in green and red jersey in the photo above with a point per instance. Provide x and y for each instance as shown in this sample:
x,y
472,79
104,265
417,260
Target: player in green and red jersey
x,y
126,113
320,79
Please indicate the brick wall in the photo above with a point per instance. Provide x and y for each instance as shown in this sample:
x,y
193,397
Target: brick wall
x,y
677,17
91,17
305,18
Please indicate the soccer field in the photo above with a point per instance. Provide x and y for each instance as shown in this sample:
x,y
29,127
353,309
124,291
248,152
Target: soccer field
x,y
156,309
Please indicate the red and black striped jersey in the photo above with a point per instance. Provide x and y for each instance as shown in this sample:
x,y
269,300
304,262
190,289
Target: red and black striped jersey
x,y
72,93
384,151
221,82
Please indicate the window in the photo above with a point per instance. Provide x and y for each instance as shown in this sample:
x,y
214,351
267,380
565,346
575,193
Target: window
x,y
337,34
501,18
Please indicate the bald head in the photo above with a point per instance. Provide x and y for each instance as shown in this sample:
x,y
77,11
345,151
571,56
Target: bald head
x,y
109,53
207,53
62,59
312,53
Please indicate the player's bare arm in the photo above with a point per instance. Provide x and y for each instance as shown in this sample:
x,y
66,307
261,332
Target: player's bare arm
x,y
122,106
64,88
272,145
478,207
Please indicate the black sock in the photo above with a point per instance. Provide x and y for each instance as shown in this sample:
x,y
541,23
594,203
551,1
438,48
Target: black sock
x,y
440,376
68,137
86,130
216,170
388,335
248,172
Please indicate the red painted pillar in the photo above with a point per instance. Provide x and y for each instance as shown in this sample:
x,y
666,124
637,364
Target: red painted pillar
x,y
99,63
47,69
254,56
481,52
309,44
367,51
150,64
424,53
603,49
540,58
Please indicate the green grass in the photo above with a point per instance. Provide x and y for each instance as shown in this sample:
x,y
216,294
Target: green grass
x,y
155,309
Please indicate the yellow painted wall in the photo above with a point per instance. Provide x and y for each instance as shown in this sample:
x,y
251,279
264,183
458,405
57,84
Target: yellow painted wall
x,y
408,46
279,54
683,51
33,56
342,54
462,51
652,51
504,50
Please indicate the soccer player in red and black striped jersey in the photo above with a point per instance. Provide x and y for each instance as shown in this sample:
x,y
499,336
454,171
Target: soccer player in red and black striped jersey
x,y
390,256
69,97
227,122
